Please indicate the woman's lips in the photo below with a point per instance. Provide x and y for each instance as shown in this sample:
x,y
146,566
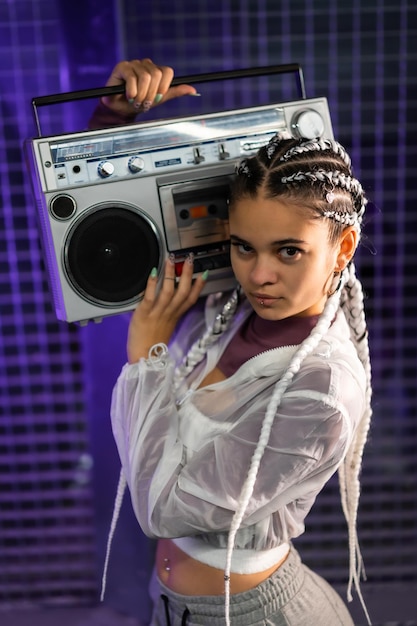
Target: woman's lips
x,y
264,300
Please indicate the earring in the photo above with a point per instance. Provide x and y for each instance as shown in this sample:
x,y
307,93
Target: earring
x,y
336,282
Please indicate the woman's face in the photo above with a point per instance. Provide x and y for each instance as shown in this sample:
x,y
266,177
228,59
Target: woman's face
x,y
282,258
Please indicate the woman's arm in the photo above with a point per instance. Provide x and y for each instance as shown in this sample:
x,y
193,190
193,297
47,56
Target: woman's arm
x,y
178,493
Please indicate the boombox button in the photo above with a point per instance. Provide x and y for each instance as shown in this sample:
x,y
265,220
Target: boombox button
x,y
105,169
178,268
198,157
223,154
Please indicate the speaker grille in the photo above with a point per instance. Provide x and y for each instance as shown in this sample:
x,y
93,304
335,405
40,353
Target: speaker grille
x,y
110,252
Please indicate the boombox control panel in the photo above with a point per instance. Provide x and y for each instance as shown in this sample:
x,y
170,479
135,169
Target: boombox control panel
x,y
169,146
112,203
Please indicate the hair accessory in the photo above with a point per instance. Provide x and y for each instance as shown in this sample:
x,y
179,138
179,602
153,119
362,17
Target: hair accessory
x,y
338,180
272,146
317,146
330,197
243,168
342,218
275,141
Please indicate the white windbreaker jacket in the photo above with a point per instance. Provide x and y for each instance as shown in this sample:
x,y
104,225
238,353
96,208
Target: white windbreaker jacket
x,y
185,454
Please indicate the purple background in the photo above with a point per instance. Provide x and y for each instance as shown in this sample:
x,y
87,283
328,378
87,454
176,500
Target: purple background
x,y
58,464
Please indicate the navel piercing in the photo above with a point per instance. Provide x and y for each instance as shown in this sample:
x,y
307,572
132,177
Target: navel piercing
x,y
167,565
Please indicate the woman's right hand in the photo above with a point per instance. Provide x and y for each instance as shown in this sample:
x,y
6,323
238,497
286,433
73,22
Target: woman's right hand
x,y
163,304
147,85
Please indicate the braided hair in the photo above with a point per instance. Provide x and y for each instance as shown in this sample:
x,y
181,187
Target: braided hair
x,y
318,175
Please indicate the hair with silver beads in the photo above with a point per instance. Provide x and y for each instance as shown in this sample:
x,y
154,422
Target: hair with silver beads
x,y
317,175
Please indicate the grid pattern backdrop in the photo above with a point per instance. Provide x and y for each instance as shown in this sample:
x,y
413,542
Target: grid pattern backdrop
x,y
58,464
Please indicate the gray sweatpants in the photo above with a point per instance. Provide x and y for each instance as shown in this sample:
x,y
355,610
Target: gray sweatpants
x,y
293,596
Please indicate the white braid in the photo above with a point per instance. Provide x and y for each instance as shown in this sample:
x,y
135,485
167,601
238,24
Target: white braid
x,y
318,145
199,349
304,350
349,471
335,177
342,218
276,141
121,488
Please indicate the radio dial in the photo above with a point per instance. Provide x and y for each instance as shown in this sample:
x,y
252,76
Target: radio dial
x,y
105,169
136,164
308,124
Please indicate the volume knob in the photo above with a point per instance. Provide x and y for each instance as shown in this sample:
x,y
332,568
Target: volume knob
x,y
105,169
136,164
308,124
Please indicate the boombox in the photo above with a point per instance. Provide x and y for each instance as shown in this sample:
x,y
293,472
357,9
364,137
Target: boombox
x,y
112,203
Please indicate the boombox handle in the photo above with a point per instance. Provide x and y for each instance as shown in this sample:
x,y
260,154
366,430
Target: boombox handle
x,y
99,92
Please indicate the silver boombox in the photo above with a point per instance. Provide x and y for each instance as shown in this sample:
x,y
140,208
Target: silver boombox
x,y
113,203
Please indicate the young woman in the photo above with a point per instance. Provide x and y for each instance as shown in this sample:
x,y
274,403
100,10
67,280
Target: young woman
x,y
234,410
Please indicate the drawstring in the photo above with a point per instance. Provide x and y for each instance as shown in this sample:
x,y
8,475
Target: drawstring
x,y
167,617
184,617
166,601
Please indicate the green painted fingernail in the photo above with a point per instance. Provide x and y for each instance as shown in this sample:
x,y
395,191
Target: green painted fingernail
x,y
154,272
205,274
158,98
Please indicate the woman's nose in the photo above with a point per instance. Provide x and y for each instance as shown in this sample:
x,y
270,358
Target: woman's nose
x,y
263,272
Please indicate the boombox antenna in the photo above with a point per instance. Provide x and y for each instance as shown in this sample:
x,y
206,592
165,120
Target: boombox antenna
x,y
100,92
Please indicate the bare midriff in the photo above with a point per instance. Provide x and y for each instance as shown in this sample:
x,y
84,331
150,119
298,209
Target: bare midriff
x,y
183,574
187,576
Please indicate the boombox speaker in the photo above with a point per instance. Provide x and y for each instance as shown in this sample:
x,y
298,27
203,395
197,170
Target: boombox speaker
x,y
112,203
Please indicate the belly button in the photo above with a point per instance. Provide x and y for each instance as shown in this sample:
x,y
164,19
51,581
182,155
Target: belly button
x,y
167,565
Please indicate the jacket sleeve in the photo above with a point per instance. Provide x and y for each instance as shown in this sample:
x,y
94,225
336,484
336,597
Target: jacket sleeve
x,y
177,492
104,117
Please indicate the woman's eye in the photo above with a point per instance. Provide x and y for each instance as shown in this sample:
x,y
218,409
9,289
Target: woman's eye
x,y
290,253
242,248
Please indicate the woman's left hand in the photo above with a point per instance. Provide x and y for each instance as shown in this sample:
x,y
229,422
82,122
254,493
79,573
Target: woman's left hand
x,y
147,85
156,316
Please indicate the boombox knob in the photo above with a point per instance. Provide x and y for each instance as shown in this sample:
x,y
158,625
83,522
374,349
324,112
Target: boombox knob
x,y
105,169
136,164
308,124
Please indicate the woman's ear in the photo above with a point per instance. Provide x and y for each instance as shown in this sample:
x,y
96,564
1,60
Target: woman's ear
x,y
346,247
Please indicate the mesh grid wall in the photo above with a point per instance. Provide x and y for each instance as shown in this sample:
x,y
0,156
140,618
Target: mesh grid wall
x,y
46,519
360,55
